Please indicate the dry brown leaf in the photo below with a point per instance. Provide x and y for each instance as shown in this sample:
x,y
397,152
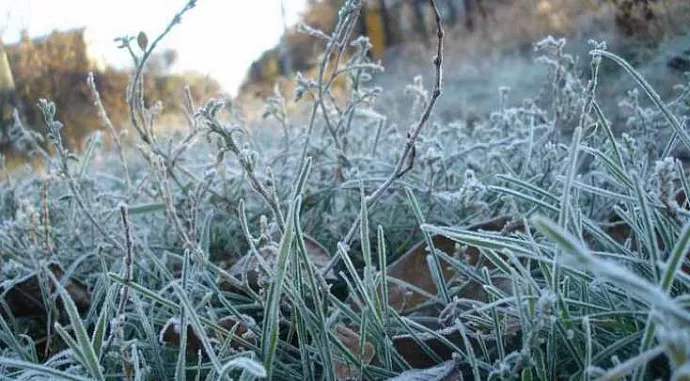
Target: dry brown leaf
x,y
351,340
412,268
416,356
170,334
621,231
318,254
249,265
24,298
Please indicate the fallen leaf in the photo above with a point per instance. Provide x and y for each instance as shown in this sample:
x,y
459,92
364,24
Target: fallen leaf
x,y
170,334
248,266
412,268
620,231
24,297
318,254
447,371
415,355
351,340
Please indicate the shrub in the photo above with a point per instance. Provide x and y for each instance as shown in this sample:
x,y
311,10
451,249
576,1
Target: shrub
x,y
57,66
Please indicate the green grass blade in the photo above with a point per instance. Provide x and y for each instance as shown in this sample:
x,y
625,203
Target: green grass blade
x,y
51,373
82,338
102,323
679,131
269,335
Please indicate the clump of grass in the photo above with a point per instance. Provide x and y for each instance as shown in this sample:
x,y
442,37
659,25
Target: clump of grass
x,y
586,278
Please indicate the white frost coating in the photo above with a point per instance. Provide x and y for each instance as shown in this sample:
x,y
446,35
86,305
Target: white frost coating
x,y
174,322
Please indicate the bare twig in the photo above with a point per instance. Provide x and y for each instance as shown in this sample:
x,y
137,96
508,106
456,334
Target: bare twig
x,y
138,113
270,198
337,39
54,127
406,160
109,125
46,218
136,93
28,137
129,253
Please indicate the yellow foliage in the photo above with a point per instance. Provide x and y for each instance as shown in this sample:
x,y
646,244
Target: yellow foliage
x,y
6,79
56,67
373,19
270,68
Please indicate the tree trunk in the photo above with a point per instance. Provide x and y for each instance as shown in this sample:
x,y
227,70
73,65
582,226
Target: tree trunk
x,y
387,23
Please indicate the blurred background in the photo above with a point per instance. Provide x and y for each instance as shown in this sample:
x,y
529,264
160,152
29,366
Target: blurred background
x,y
241,50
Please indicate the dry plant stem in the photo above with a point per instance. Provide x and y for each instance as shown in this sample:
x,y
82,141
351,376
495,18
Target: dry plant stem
x,y
307,140
341,42
34,144
164,186
340,33
349,111
129,253
186,143
285,123
72,183
188,237
322,90
254,182
137,96
341,71
109,125
92,219
46,218
352,17
284,47
189,107
406,160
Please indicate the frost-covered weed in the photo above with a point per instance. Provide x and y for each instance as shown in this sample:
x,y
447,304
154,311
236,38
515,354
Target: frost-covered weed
x,y
153,230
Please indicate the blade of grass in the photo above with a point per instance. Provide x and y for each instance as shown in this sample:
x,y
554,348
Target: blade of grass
x,y
195,322
181,364
433,258
42,370
91,362
320,332
269,335
673,264
679,131
649,237
612,272
246,365
101,324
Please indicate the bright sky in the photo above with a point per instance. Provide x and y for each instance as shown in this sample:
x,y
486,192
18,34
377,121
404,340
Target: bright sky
x,y
218,37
